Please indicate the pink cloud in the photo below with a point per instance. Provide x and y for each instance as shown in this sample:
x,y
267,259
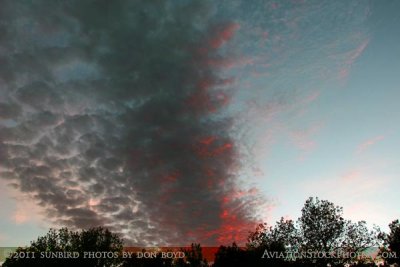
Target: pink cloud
x,y
351,176
224,35
23,210
351,58
94,202
312,97
269,113
357,52
20,217
26,211
303,139
370,142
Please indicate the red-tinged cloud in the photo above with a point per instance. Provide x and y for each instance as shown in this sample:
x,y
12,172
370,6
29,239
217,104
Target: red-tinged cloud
x,y
217,36
223,34
120,121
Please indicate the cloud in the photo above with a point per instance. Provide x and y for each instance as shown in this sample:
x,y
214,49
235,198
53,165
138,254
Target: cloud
x,y
303,138
130,115
119,119
351,176
8,110
223,35
356,191
351,58
368,143
18,208
20,217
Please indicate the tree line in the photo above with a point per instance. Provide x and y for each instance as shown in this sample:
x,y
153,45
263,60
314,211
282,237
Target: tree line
x,y
319,237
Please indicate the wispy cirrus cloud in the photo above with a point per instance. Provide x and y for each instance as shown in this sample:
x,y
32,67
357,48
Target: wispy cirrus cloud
x,y
351,58
364,146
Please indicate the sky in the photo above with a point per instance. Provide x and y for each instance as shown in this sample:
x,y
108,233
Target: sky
x,y
172,122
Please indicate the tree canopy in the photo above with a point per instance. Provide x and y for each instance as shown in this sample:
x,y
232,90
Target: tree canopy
x,y
320,228
391,243
63,247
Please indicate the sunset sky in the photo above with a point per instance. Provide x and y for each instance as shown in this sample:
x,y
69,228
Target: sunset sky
x,y
173,122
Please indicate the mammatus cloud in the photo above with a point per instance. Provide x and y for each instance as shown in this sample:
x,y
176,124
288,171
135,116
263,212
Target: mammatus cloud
x,y
123,114
115,118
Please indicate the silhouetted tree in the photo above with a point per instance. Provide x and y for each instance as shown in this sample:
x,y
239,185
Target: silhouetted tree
x,y
321,224
193,257
358,236
359,239
231,256
92,247
391,243
250,256
321,228
284,232
267,241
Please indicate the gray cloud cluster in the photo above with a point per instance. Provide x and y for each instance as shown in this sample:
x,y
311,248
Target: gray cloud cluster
x,y
110,115
117,113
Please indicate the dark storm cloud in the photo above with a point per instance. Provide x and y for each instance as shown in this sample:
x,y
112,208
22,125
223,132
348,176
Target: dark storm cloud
x,y
118,120
8,110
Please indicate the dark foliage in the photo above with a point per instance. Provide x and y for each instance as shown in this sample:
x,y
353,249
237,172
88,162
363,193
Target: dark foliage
x,y
93,247
321,227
